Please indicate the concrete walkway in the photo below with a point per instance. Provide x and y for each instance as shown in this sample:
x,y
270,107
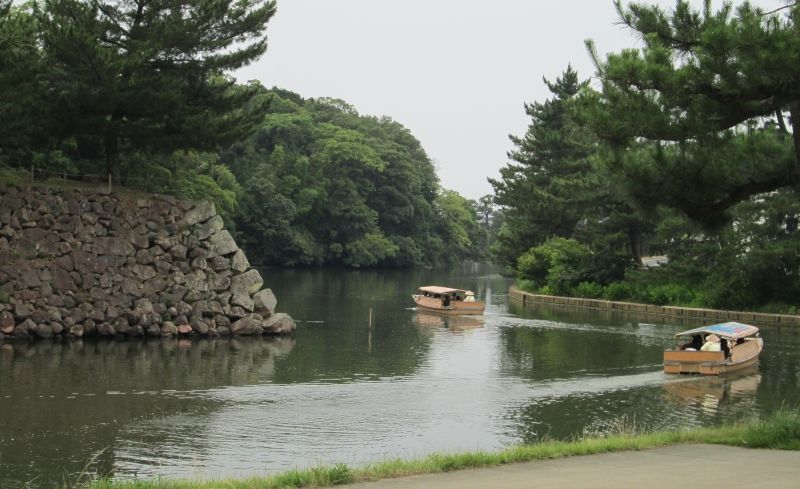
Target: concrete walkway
x,y
678,466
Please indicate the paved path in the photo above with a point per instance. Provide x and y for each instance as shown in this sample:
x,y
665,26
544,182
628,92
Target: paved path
x,y
678,466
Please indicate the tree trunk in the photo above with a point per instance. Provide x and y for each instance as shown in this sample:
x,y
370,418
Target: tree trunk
x,y
794,112
635,238
112,148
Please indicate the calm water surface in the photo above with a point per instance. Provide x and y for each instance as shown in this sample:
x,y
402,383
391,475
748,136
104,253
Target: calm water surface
x,y
342,391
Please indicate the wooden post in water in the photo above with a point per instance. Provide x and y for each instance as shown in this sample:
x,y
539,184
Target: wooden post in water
x,y
109,183
369,337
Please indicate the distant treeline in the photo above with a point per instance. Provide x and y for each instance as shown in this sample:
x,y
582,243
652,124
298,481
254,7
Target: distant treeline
x,y
687,149
141,91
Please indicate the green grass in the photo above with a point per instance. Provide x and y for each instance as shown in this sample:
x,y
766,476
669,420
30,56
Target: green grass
x,y
779,431
13,177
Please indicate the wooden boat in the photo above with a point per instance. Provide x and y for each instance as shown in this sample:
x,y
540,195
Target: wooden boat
x,y
446,300
741,341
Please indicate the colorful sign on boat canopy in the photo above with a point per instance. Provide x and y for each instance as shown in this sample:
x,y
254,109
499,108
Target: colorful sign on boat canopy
x,y
727,330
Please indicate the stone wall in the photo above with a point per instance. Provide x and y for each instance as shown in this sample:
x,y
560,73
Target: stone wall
x,y
88,262
704,316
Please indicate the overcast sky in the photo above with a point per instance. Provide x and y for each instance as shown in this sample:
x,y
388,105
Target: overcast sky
x,y
454,72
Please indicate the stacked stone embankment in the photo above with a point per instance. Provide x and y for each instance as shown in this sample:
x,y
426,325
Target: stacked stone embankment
x,y
88,262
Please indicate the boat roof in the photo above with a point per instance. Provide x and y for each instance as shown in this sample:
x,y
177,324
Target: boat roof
x,y
436,289
728,330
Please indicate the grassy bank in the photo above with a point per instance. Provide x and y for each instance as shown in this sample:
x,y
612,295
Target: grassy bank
x,y
780,431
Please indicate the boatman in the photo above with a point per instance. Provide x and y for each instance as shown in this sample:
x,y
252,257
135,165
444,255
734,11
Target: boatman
x,y
470,296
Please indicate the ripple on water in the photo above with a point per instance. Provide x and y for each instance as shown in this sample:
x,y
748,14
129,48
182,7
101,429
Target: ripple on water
x,y
340,392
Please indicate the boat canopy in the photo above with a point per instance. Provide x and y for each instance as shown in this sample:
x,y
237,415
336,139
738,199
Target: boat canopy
x,y
435,289
728,330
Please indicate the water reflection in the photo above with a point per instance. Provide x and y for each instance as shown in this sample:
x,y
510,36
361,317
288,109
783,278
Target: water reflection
x,y
708,393
63,406
452,323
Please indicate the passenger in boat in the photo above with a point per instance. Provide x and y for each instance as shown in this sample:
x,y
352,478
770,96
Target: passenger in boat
x,y
723,345
695,344
445,300
470,296
712,343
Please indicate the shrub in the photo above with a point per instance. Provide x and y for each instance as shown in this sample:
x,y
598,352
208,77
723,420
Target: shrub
x,y
532,267
771,308
526,285
13,177
672,294
560,264
590,290
618,291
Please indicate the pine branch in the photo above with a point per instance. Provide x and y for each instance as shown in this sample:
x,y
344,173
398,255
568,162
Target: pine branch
x,y
793,4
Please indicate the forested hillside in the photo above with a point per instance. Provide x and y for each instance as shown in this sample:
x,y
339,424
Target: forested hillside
x,y
322,184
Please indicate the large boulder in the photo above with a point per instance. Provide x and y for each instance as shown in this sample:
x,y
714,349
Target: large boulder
x,y
205,230
113,246
242,300
264,300
280,323
221,243
22,310
197,280
247,283
201,212
62,280
7,322
239,262
248,325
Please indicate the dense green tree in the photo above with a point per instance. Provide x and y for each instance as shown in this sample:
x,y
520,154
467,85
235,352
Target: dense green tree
x,y
458,225
325,185
23,118
150,76
697,97
489,222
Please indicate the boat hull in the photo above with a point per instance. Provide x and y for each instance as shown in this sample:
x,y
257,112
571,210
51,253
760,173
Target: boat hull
x,y
712,362
432,304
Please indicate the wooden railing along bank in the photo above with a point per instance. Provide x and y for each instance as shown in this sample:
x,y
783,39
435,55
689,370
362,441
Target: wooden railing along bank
x,y
704,315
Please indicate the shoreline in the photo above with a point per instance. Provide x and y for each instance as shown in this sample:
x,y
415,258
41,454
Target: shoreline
x,y
779,431
693,314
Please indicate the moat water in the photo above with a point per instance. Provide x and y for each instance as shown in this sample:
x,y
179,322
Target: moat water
x,y
341,390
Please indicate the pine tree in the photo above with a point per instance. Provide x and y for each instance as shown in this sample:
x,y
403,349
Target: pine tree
x,y
152,75
704,100
536,189
23,119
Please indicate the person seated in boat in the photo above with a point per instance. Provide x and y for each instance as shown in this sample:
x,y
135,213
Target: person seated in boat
x,y
723,345
712,343
470,296
694,345
445,300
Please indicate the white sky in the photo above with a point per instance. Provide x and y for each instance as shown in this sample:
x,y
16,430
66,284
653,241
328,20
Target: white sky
x,y
456,73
